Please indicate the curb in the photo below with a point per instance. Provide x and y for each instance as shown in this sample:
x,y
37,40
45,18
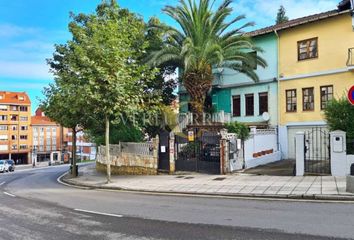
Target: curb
x,y
289,197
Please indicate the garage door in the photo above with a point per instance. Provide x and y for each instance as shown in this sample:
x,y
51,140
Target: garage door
x,y
291,138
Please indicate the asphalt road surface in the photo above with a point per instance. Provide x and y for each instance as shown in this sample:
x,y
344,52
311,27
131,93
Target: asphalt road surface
x,y
33,205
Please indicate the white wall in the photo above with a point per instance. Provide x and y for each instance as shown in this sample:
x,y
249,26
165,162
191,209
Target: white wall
x,y
261,140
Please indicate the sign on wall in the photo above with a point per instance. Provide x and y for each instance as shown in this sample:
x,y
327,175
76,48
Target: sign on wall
x,y
351,95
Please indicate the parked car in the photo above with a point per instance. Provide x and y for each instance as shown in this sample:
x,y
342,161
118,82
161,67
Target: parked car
x,y
11,165
4,166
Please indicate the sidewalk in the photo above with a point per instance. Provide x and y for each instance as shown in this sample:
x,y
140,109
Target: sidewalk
x,y
308,187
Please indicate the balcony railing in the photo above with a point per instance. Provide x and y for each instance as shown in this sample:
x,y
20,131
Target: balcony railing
x,y
350,61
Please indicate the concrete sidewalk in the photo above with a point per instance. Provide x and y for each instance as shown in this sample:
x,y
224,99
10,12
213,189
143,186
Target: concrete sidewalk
x,y
308,187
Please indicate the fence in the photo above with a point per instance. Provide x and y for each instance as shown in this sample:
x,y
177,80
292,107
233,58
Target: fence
x,y
261,147
131,158
350,145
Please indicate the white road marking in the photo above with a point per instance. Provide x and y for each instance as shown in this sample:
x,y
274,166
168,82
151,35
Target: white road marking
x,y
99,213
9,194
69,185
2,183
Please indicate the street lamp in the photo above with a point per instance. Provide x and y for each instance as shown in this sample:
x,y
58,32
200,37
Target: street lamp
x,y
34,155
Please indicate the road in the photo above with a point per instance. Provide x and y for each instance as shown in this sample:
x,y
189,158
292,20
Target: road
x,y
35,206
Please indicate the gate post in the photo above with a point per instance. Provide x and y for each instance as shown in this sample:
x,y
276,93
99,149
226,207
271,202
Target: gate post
x,y
339,165
300,153
172,152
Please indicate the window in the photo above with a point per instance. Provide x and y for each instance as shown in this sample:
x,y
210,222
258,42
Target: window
x,y
14,128
41,148
236,106
23,137
3,137
23,108
14,117
307,99
24,128
14,147
3,117
253,64
3,127
21,98
23,146
291,105
13,108
326,95
263,103
13,137
307,49
3,108
23,119
249,105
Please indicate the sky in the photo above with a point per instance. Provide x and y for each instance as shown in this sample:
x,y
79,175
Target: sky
x,y
29,30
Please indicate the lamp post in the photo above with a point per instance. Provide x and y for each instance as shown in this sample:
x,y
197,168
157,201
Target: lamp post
x,y
34,155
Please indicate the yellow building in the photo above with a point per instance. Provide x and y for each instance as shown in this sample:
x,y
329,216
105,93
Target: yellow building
x,y
15,131
315,65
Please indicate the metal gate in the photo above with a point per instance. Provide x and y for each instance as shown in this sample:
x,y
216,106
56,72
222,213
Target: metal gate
x,y
200,155
164,152
317,151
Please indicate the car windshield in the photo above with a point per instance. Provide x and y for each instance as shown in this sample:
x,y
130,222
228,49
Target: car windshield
x,y
9,161
2,162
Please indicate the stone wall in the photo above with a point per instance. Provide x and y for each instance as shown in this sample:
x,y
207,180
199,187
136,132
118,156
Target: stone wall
x,y
130,163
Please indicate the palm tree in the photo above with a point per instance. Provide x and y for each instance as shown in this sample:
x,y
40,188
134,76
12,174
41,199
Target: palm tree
x,y
206,40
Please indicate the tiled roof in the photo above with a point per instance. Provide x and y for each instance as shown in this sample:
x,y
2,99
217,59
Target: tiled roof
x,y
296,22
42,120
14,97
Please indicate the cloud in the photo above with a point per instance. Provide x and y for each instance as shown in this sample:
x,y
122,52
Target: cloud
x,y
264,12
10,30
25,70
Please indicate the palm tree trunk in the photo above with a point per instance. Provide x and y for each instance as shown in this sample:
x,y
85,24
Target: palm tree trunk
x,y
198,83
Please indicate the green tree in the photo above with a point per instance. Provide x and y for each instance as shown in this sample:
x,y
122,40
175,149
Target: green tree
x,y
106,47
339,115
241,130
64,102
281,15
206,40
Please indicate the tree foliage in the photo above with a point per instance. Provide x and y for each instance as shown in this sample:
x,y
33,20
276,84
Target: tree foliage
x,y
205,39
339,115
241,130
281,15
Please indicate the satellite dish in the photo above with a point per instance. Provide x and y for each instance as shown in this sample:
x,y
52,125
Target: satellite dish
x,y
266,116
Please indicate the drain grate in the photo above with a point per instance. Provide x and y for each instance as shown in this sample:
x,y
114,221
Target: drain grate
x,y
219,179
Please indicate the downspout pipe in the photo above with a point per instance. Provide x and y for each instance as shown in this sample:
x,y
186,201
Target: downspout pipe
x,y
278,88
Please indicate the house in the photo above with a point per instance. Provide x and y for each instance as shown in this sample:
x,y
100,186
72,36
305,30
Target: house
x,y
85,149
15,132
238,96
47,136
244,99
314,67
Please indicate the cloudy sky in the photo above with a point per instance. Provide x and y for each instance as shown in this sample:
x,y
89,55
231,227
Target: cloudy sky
x,y
29,29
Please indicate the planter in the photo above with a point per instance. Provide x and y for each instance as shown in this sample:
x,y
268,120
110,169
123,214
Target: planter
x,y
263,152
271,151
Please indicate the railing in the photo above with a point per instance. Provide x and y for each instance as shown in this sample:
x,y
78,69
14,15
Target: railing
x,y
138,148
350,61
128,147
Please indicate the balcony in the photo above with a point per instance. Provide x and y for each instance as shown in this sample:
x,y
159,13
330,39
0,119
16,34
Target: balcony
x,y
350,61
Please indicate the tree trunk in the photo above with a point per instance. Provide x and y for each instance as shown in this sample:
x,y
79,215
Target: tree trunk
x,y
198,83
73,166
108,160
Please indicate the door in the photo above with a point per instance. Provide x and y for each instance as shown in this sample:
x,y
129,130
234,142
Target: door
x,y
164,152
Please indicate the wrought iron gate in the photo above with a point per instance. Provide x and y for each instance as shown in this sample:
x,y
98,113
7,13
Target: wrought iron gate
x,y
317,151
201,155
